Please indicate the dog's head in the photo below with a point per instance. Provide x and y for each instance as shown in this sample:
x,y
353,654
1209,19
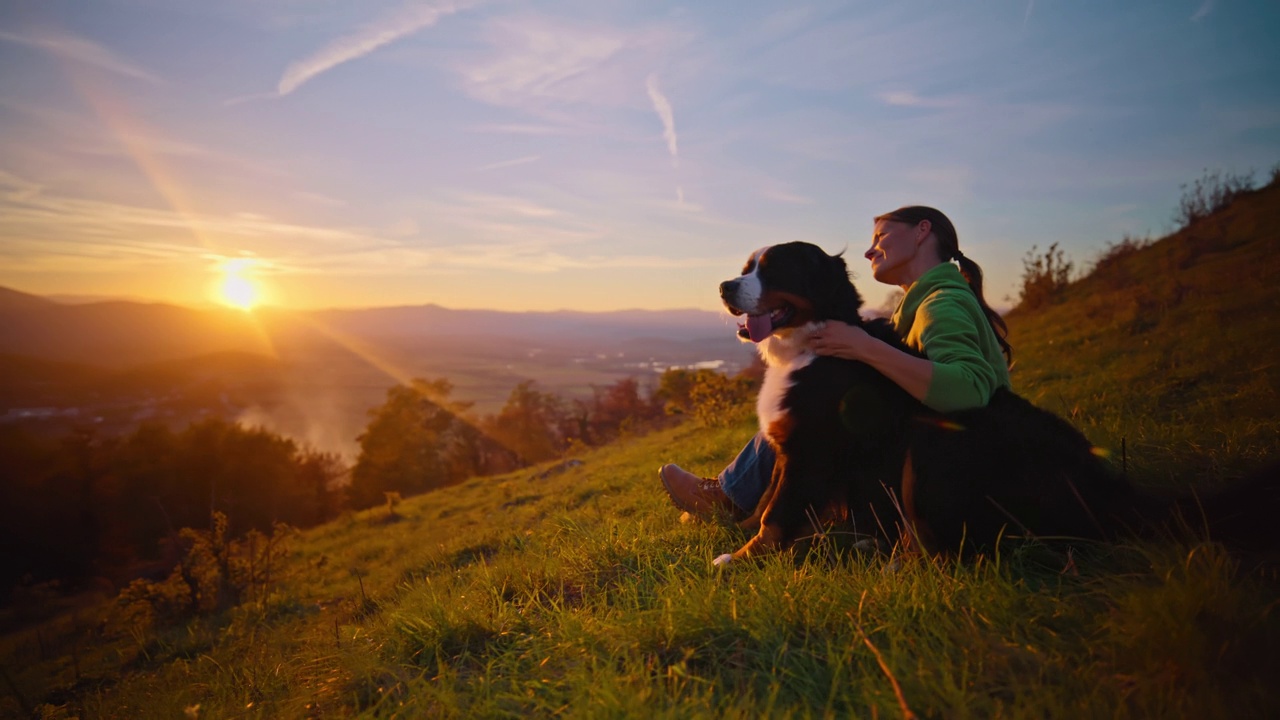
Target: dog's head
x,y
785,286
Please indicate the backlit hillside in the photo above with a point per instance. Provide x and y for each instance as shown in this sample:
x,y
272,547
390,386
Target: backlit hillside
x,y
1171,348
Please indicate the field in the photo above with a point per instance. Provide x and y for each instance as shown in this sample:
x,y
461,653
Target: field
x,y
576,590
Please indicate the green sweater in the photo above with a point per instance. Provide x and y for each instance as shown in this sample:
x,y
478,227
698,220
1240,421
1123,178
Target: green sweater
x,y
940,317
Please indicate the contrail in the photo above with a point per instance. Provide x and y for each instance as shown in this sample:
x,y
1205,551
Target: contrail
x,y
663,107
383,31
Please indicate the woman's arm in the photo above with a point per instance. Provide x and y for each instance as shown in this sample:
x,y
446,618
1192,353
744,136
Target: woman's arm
x,y
911,373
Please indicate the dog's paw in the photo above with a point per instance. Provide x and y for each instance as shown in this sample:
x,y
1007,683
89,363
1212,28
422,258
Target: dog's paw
x,y
723,560
687,517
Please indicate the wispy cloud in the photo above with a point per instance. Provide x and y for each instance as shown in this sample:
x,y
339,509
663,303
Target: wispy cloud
x,y
1204,11
783,196
543,59
17,189
382,31
509,163
32,214
904,98
81,50
662,106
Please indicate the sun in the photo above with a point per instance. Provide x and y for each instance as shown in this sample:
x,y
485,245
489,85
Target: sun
x,y
237,288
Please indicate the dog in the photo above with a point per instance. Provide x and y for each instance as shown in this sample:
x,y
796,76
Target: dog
x,y
852,446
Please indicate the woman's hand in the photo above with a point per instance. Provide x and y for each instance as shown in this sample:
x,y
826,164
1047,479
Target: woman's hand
x,y
842,340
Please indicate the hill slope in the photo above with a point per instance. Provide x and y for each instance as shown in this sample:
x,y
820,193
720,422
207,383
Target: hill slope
x,y
578,591
581,593
1171,348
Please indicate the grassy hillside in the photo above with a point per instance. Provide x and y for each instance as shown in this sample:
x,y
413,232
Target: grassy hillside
x,y
1172,348
580,593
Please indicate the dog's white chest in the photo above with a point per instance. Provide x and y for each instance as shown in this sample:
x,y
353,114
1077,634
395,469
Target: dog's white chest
x,y
777,381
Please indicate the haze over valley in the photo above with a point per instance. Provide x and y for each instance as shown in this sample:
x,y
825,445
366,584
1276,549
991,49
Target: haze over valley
x,y
314,375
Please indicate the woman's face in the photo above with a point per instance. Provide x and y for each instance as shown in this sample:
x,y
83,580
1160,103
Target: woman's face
x,y
894,246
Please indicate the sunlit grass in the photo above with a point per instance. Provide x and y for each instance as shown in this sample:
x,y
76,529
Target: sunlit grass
x,y
583,594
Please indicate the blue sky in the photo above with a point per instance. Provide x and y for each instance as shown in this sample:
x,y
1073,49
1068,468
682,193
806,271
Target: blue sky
x,y
596,155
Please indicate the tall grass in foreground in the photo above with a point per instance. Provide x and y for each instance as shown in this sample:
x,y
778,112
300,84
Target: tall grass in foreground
x,y
583,595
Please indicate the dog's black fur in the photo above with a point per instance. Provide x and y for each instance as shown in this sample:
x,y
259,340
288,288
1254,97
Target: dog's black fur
x,y
851,444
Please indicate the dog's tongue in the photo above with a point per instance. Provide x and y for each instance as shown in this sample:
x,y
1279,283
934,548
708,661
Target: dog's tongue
x,y
759,327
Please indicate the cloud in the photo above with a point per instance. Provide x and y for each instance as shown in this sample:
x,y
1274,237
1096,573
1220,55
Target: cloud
x,y
17,189
509,163
663,107
78,49
383,31
903,98
542,59
42,218
1204,11
783,196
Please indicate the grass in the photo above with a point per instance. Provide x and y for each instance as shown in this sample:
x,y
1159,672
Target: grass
x,y
581,594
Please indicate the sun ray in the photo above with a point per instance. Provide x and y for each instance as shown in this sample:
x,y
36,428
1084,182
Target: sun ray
x,y
130,132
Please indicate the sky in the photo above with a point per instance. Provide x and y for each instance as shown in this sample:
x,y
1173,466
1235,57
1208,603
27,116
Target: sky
x,y
597,155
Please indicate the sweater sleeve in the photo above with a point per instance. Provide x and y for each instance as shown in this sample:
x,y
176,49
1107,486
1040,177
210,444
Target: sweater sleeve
x,y
948,334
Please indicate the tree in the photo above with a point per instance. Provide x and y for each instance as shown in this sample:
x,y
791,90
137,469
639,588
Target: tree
x,y
316,496
531,424
618,407
411,443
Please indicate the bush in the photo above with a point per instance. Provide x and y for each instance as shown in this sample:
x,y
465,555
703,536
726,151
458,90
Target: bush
x,y
718,400
215,574
1043,277
1212,192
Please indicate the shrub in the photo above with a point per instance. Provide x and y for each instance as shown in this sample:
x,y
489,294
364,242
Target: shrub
x,y
1212,192
215,574
718,400
1044,277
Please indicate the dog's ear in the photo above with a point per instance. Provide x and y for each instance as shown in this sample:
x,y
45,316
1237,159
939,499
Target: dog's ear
x,y
839,296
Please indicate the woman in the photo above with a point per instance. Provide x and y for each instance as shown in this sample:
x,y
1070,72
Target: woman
x,y
943,315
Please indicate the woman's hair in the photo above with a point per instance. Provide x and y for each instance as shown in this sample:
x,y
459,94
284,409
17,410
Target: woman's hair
x,y
949,248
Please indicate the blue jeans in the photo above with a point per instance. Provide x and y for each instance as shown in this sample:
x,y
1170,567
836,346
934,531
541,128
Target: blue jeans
x,y
746,478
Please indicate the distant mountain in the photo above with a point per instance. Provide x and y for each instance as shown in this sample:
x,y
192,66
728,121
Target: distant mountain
x,y
119,333
125,333
20,301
